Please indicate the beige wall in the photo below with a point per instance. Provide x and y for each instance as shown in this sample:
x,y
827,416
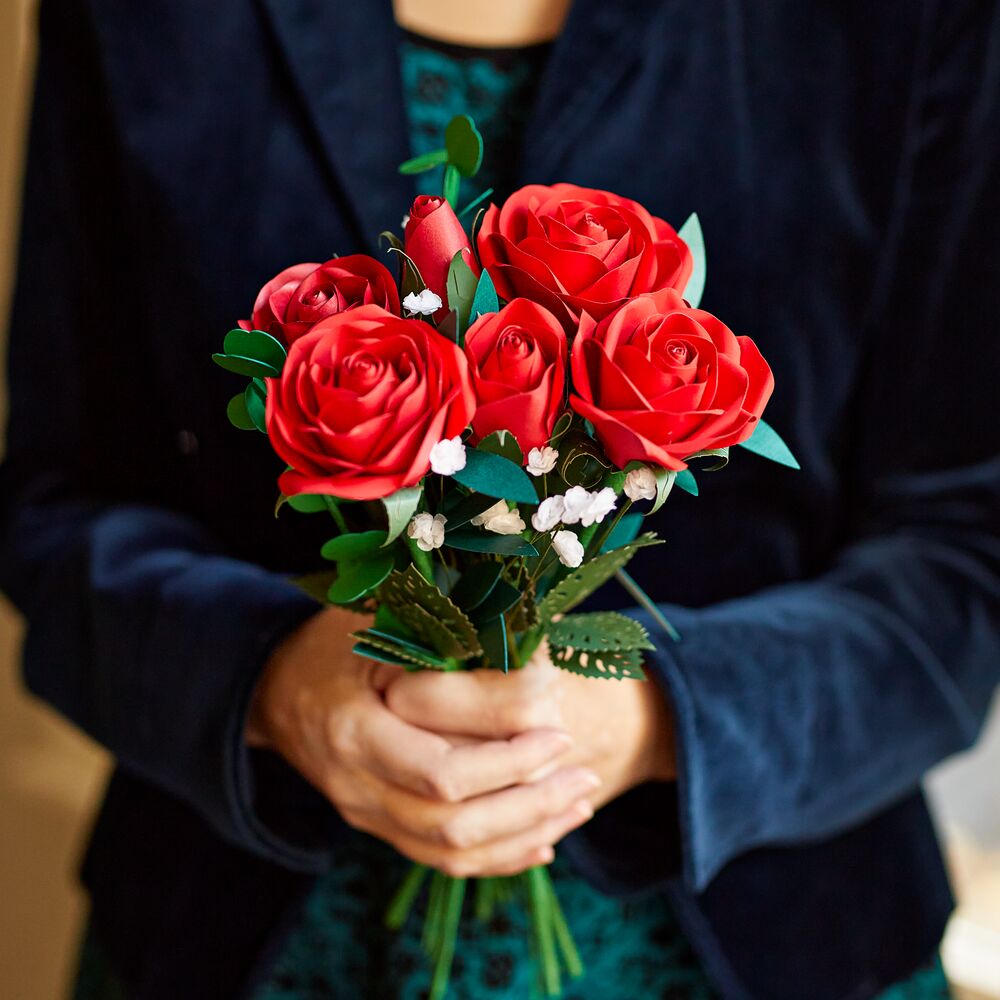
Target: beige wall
x,y
50,776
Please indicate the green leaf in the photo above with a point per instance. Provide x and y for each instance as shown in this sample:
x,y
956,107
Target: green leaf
x,y
766,442
406,652
452,182
371,652
255,397
410,278
692,235
582,462
624,665
255,344
316,585
461,286
307,503
645,601
486,541
429,614
561,426
237,413
250,367
464,144
426,161
624,531
502,598
399,508
358,577
665,480
475,584
686,482
599,631
485,300
496,476
582,582
503,443
493,636
353,546
460,508
717,458
395,243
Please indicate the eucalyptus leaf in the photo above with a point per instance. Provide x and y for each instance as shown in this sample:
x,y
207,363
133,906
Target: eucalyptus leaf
x,y
255,344
692,235
359,577
485,300
352,546
493,636
423,162
400,508
238,414
766,442
464,145
471,540
496,477
256,397
250,367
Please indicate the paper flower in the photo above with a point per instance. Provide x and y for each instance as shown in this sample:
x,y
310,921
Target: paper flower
x,y
640,484
500,520
541,460
448,457
424,303
568,548
427,530
549,514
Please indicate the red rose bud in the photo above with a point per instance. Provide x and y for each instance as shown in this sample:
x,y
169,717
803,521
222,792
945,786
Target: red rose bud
x,y
432,237
362,399
660,381
518,362
295,300
579,250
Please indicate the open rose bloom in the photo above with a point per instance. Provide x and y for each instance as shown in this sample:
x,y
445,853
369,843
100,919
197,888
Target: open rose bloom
x,y
486,425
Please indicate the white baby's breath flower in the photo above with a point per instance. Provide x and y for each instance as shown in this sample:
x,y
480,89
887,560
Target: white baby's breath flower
x,y
424,303
427,530
541,460
568,548
602,503
500,520
405,221
576,501
448,457
549,513
640,484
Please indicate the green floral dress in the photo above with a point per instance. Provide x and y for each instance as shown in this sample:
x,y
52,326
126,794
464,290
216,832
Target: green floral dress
x,y
339,948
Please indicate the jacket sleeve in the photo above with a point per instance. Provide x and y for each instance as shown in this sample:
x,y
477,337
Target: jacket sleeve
x,y
141,629
803,710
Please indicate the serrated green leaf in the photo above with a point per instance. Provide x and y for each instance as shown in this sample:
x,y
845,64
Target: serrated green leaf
x,y
429,614
625,531
461,287
405,651
371,652
493,635
359,577
485,300
503,443
464,145
766,442
582,582
692,235
237,413
250,367
599,630
399,509
475,584
685,481
255,397
425,161
496,477
470,540
352,546
501,599
714,459
624,665
450,185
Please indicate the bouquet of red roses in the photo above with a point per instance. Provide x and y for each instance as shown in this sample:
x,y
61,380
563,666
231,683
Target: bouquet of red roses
x,y
487,433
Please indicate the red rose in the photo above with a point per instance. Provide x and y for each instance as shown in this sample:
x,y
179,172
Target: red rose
x,y
432,237
362,399
660,381
295,300
518,362
578,250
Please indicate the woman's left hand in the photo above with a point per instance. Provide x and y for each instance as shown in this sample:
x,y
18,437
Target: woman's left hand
x,y
622,729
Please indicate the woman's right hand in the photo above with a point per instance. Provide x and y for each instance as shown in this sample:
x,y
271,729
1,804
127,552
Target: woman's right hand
x,y
465,807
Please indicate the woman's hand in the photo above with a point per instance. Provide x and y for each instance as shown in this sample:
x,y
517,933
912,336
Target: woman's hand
x,y
467,807
621,729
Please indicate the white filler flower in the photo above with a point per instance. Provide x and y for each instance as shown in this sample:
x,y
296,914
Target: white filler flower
x,y
640,484
568,548
549,513
427,530
541,460
500,520
586,508
426,303
448,457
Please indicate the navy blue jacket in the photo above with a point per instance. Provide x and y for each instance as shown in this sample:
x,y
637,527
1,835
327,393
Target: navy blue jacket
x,y
841,625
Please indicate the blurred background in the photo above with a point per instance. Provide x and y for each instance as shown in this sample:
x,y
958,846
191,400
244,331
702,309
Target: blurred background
x,y
51,776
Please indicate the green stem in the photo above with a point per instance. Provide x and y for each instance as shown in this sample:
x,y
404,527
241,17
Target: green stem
x,y
644,599
454,894
485,898
540,890
432,920
402,902
334,508
564,936
422,560
602,535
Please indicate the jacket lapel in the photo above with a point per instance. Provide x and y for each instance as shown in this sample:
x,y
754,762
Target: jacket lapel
x,y
343,59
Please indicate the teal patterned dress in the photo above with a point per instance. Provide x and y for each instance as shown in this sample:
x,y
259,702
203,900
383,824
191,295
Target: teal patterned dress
x,y
339,948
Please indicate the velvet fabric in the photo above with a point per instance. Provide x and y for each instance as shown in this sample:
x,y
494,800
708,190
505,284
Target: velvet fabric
x,y
841,625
